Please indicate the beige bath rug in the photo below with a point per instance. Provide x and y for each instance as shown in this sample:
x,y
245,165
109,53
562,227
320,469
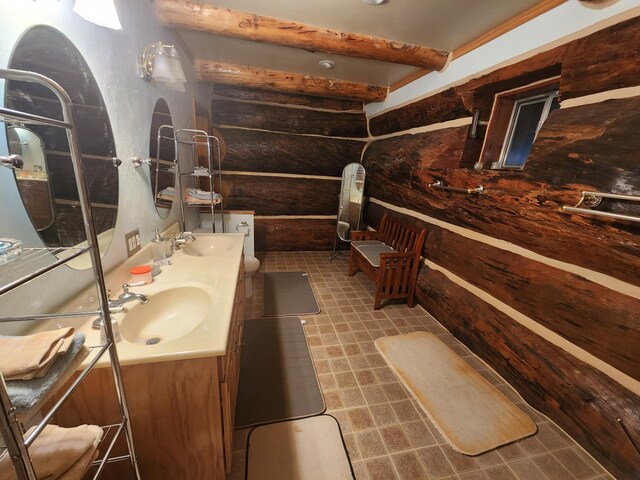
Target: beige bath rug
x,y
307,449
472,415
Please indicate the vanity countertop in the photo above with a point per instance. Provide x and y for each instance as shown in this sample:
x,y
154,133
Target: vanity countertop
x,y
212,279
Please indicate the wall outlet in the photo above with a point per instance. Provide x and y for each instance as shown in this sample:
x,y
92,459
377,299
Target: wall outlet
x,y
132,239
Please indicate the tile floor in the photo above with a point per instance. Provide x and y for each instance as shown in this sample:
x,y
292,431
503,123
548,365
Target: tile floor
x,y
387,435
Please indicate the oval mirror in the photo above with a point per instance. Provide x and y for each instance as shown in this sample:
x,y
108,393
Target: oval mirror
x,y
33,180
162,152
59,219
351,197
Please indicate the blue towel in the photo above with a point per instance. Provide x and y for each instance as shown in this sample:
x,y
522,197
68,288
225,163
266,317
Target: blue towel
x,y
24,394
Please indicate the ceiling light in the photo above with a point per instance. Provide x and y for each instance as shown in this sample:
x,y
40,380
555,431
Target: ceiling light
x,y
373,2
328,64
162,64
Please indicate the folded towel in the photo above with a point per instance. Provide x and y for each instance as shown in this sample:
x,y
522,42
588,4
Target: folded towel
x,y
25,394
167,192
30,356
201,197
59,453
200,172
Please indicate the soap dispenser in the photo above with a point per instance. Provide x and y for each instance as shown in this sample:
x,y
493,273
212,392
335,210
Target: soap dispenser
x,y
160,249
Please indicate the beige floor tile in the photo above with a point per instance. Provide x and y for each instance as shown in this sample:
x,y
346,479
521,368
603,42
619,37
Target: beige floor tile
x,y
409,467
395,439
360,418
381,469
370,444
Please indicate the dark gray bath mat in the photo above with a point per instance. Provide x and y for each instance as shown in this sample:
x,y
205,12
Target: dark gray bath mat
x,y
288,293
277,378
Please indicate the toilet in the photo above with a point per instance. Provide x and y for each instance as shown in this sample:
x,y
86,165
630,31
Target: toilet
x,y
238,221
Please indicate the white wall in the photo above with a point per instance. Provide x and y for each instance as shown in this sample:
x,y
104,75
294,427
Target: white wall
x,y
112,57
555,27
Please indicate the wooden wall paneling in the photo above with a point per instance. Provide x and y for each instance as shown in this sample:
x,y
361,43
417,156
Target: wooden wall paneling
x,y
592,147
268,96
259,151
101,177
290,120
282,195
412,153
605,60
441,107
294,234
602,321
579,398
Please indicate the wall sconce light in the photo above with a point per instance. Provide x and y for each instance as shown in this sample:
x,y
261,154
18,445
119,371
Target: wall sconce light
x,y
162,64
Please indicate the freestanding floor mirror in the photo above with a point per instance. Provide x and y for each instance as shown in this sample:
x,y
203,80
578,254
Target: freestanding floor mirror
x,y
350,204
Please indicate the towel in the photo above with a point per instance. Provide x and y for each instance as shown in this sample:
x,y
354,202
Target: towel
x,y
30,356
59,453
25,394
201,197
167,192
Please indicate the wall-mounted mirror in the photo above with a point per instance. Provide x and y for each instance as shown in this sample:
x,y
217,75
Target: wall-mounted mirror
x,y
33,180
351,196
47,51
162,152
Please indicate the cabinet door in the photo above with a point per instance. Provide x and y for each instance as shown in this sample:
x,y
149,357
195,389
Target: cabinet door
x,y
231,373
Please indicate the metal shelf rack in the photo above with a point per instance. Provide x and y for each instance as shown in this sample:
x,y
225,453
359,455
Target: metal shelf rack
x,y
34,262
191,140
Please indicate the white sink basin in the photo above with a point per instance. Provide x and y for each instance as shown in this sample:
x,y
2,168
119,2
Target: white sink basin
x,y
170,314
207,245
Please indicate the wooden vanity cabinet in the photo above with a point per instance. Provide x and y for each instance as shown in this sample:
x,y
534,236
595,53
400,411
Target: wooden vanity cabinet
x,y
182,412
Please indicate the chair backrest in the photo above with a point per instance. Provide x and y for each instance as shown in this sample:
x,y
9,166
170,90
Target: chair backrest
x,y
400,236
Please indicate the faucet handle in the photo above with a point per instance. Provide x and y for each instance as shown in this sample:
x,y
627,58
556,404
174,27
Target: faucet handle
x,y
125,288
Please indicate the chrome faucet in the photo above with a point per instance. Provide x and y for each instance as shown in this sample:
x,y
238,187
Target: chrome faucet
x,y
180,239
127,296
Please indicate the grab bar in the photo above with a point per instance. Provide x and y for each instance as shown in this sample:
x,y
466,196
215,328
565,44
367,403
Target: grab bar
x,y
593,199
440,184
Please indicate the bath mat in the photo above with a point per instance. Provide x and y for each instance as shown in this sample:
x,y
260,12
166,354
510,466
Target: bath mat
x,y
277,378
307,449
472,415
288,293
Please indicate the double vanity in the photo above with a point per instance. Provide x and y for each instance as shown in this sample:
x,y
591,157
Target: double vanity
x,y
180,354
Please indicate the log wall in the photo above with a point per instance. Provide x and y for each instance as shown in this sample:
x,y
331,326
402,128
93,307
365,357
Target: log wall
x,y
284,159
569,278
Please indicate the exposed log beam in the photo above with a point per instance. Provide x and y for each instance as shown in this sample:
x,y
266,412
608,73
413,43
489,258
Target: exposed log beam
x,y
257,28
229,74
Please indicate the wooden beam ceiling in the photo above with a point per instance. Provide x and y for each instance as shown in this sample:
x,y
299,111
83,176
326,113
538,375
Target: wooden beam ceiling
x,y
256,28
229,74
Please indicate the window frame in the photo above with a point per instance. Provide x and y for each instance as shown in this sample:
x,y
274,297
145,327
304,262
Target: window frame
x,y
500,120
513,122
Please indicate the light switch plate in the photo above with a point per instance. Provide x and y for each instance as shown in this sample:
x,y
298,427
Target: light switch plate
x,y
132,239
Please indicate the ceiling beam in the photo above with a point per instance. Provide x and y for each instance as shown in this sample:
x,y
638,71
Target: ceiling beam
x,y
226,73
256,28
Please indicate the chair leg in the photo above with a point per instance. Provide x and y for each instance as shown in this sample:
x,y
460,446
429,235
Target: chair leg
x,y
377,301
352,268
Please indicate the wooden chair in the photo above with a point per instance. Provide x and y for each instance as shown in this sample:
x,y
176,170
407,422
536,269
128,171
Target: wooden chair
x,y
390,257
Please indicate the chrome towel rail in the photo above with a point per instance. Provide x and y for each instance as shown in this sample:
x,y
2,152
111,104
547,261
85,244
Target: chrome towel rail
x,y
440,184
593,199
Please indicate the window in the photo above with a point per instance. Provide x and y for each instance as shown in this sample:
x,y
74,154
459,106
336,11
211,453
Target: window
x,y
516,118
526,119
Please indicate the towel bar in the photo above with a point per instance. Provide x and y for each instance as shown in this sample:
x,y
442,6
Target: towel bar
x,y
593,199
440,184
